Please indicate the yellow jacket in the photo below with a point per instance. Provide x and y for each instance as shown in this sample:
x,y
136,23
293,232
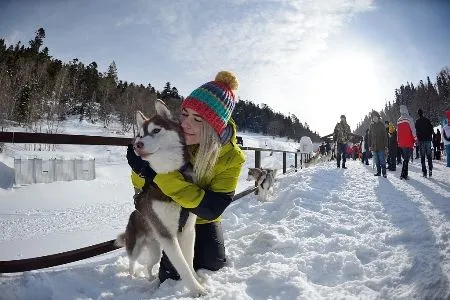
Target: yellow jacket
x,y
208,199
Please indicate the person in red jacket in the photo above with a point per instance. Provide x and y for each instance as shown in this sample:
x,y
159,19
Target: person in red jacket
x,y
406,137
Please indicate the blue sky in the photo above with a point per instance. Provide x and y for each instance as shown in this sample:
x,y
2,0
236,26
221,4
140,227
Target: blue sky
x,y
315,59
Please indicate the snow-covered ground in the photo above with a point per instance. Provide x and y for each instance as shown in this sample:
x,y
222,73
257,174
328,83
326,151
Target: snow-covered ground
x,y
326,233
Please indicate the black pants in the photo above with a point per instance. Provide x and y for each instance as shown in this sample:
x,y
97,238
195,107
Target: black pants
x,y
392,157
209,252
341,150
407,154
425,150
399,155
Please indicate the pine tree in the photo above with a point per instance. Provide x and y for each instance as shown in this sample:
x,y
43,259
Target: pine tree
x,y
38,41
23,105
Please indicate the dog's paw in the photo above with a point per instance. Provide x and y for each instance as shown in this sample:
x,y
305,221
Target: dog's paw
x,y
152,277
200,278
199,292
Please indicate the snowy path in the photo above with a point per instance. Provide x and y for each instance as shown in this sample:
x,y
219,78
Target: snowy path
x,y
327,233
349,233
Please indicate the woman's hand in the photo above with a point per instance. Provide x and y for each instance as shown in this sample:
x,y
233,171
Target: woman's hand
x,y
138,165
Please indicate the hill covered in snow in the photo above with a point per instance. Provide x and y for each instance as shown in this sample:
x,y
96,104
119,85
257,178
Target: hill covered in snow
x,y
326,233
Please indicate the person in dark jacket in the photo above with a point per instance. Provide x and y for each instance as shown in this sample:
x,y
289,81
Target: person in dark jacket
x,y
365,148
328,147
322,149
378,143
341,135
399,155
386,125
392,147
424,131
437,144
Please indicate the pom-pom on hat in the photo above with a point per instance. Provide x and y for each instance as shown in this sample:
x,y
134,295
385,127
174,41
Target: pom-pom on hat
x,y
214,101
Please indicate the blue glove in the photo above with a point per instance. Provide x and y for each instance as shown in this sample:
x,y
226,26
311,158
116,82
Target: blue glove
x,y
140,166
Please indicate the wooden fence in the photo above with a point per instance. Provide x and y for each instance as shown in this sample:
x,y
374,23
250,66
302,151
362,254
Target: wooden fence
x,y
52,260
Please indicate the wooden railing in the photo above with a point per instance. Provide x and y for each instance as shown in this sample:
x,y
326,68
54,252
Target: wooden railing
x,y
52,260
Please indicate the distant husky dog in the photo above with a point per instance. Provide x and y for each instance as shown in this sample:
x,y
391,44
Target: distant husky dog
x,y
159,222
265,179
317,158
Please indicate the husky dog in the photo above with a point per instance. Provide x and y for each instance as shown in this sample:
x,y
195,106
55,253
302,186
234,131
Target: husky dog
x,y
264,179
157,222
317,158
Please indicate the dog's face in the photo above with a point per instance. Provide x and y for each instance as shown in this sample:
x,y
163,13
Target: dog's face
x,y
253,174
271,172
159,137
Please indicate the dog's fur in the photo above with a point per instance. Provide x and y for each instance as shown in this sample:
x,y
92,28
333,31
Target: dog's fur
x,y
317,158
156,220
264,179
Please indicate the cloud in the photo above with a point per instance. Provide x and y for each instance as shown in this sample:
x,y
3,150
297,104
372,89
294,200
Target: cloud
x,y
271,45
13,37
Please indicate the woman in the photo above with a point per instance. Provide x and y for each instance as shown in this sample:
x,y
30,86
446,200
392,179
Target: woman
x,y
217,161
406,137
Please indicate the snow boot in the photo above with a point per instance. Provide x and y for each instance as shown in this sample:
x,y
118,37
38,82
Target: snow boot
x,y
404,174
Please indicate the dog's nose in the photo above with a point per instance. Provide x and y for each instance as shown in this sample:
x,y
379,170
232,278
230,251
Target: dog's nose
x,y
139,145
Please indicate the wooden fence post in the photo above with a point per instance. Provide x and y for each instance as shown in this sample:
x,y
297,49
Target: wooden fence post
x,y
295,165
257,159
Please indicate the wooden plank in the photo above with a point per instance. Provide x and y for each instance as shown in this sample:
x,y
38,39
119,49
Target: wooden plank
x,y
36,263
47,138
52,260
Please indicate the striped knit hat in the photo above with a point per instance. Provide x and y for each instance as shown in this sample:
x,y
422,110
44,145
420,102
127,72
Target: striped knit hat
x,y
214,100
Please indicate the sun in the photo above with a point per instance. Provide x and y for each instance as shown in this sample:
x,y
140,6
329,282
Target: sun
x,y
349,75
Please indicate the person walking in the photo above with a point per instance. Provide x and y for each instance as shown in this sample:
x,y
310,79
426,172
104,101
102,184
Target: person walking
x,y
424,131
446,136
378,143
437,144
366,148
392,147
328,147
341,135
406,137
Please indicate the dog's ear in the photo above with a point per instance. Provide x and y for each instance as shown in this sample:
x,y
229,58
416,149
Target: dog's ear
x,y
162,109
140,118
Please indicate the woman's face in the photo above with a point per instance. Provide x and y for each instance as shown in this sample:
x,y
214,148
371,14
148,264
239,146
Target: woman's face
x,y
191,123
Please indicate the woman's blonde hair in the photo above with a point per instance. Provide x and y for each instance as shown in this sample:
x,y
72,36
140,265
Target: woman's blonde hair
x,y
207,153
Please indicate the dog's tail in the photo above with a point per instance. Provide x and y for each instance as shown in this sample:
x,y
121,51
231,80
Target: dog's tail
x,y
120,240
